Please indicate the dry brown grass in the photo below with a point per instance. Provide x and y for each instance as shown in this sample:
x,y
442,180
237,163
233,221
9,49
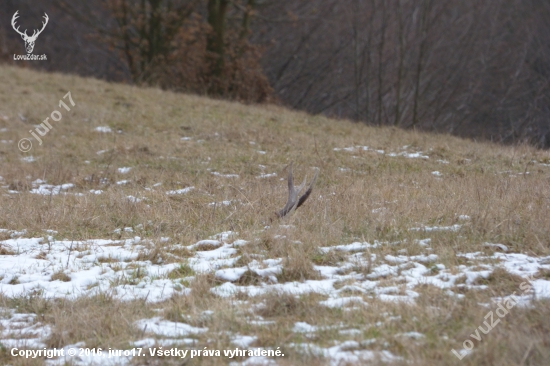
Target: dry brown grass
x,y
360,195
501,282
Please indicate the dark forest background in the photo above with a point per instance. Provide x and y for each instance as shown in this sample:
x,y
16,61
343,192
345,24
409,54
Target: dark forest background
x,y
473,68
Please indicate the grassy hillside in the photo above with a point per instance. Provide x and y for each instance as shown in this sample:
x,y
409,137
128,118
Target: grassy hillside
x,y
145,211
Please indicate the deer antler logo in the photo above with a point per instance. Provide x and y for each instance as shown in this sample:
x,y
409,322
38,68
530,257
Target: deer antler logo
x,y
29,40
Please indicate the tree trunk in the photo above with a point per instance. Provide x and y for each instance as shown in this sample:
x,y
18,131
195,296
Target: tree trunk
x,y
217,11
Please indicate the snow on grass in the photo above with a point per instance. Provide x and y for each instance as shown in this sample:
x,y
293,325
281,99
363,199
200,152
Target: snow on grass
x,y
48,189
166,328
222,203
267,268
20,330
413,155
104,265
266,175
28,159
348,352
414,335
243,341
180,191
501,247
353,247
134,199
455,227
89,267
358,148
302,327
225,175
124,170
111,266
103,129
294,288
341,302
352,148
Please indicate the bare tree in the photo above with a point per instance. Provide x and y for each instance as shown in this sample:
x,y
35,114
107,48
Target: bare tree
x,y
466,67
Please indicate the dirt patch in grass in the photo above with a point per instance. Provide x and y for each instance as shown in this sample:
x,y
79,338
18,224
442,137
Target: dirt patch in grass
x,y
180,252
207,246
297,265
61,276
285,305
329,258
298,269
6,251
250,278
184,270
543,273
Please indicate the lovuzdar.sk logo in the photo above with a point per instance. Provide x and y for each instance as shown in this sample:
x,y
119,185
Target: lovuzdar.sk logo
x,y
29,40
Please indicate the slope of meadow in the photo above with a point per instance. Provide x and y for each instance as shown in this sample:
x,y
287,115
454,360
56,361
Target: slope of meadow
x,y
143,220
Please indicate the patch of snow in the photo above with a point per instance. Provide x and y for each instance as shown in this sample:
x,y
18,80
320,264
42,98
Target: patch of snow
x,y
103,129
230,274
352,332
48,189
414,335
222,203
205,243
243,341
225,175
266,175
416,155
501,247
166,328
84,263
353,247
28,159
455,227
302,327
352,148
180,191
134,199
340,302
20,330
